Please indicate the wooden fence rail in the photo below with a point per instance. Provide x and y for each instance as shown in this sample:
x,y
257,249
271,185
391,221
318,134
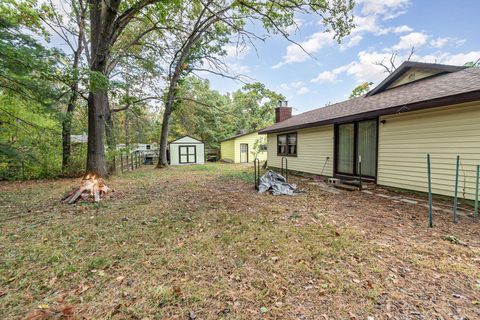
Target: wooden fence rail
x,y
128,161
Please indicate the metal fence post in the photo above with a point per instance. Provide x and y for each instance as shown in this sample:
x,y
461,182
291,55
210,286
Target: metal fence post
x,y
430,211
455,199
360,172
476,192
285,168
255,176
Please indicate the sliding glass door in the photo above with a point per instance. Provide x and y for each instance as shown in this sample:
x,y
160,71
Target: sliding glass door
x,y
367,147
346,148
355,141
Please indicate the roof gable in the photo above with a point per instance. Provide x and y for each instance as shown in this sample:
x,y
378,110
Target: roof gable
x,y
410,71
186,139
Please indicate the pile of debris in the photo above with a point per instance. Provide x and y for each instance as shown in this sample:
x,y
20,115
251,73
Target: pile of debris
x,y
91,189
277,184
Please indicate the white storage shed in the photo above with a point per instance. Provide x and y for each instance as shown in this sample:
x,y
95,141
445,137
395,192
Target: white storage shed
x,y
186,150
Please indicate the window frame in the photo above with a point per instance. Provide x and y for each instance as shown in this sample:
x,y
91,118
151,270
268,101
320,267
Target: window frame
x,y
287,153
188,154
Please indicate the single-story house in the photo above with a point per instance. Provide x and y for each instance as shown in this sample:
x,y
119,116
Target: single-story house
x,y
186,150
419,109
244,147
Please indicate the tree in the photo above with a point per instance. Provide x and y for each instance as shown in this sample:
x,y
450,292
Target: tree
x,y
201,33
205,113
72,32
473,63
360,90
29,93
256,101
391,65
108,21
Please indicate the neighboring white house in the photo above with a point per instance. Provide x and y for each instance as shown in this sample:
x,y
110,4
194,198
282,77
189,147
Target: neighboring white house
x,y
186,150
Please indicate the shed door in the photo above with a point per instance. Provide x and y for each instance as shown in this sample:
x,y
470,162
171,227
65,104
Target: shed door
x,y
187,154
243,152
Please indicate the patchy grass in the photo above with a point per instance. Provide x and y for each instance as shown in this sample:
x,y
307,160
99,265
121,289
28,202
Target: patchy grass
x,y
198,242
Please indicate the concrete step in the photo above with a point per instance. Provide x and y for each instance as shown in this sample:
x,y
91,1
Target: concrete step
x,y
346,187
351,182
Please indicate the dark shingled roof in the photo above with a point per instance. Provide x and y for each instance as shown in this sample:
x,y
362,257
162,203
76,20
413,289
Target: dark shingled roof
x,y
447,88
239,135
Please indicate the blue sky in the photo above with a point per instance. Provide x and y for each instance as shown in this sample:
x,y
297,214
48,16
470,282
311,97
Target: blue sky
x,y
442,31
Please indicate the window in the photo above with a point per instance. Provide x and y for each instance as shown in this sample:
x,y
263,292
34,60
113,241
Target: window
x,y
148,147
263,147
287,144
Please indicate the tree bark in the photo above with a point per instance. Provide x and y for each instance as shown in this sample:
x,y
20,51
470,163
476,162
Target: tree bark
x,y
162,158
102,30
111,137
67,121
96,163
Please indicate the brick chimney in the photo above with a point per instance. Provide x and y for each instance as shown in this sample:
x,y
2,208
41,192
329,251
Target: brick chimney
x,y
283,111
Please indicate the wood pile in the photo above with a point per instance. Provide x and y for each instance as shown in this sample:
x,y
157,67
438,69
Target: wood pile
x,y
91,189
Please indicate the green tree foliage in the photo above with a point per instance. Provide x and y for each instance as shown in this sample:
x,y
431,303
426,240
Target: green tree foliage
x,y
473,63
254,106
29,96
360,90
206,114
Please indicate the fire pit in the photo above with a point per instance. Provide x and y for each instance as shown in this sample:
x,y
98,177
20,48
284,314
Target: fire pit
x,y
91,189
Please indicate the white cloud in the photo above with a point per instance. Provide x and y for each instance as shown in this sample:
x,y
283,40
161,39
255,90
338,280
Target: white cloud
x,y
414,39
239,51
352,42
238,69
313,44
439,42
295,87
402,29
303,90
442,42
460,59
284,87
330,76
296,26
387,8
365,24
365,68
367,21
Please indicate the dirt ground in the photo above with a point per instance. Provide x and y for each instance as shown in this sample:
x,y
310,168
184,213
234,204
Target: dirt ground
x,y
198,243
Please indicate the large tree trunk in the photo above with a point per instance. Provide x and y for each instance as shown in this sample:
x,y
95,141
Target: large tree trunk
x,y
102,17
96,163
162,159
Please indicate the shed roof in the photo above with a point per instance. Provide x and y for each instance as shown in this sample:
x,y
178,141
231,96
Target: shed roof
x,y
240,135
179,140
457,85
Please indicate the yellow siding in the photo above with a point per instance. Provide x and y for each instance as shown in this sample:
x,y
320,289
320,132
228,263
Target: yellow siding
x,y
230,150
314,146
227,151
405,140
250,139
413,75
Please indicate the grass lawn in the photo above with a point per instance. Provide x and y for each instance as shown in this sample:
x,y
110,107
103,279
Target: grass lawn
x,y
198,243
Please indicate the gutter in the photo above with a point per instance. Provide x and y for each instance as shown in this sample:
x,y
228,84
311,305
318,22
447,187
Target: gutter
x,y
427,104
